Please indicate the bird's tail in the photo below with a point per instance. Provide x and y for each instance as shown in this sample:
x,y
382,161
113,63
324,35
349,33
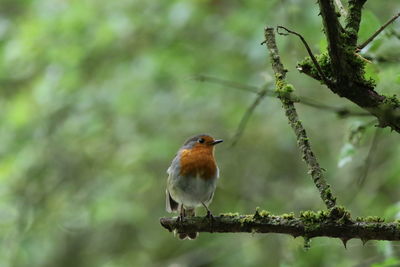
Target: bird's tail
x,y
188,212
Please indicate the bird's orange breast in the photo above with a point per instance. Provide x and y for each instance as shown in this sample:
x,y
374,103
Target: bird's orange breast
x,y
198,161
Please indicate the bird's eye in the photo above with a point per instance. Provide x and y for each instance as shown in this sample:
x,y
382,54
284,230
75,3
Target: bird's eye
x,y
201,140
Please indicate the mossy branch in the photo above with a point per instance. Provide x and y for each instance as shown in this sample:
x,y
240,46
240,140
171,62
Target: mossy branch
x,y
333,32
353,20
335,223
283,89
345,69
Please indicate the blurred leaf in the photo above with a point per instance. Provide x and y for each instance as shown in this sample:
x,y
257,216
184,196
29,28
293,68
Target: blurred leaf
x,y
323,45
388,50
357,131
349,149
21,110
391,262
346,154
393,211
372,72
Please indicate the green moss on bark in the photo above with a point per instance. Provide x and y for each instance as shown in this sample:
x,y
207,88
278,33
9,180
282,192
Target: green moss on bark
x,y
355,62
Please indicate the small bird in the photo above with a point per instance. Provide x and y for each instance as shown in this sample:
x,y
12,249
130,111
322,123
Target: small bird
x,y
192,178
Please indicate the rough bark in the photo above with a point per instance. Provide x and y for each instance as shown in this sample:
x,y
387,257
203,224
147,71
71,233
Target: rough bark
x,y
284,90
335,224
345,68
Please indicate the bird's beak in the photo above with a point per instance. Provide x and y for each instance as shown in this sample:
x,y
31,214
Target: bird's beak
x,y
217,141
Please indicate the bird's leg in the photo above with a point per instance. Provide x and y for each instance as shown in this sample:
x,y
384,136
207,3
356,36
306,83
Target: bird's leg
x,y
209,214
181,214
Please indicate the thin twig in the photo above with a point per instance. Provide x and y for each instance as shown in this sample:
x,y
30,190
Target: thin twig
x,y
368,159
302,140
361,46
354,139
232,84
314,60
246,117
341,111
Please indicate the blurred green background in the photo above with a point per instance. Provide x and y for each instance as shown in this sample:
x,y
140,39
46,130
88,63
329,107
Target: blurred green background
x,y
97,96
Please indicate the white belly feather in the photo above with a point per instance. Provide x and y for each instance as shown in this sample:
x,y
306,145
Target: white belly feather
x,y
191,191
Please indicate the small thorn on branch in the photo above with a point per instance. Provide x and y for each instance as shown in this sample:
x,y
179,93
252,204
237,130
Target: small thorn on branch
x,y
344,241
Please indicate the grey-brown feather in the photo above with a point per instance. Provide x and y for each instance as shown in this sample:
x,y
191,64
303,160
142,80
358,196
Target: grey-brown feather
x,y
174,205
171,204
192,140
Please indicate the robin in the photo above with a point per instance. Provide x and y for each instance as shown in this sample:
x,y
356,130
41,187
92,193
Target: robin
x,y
192,178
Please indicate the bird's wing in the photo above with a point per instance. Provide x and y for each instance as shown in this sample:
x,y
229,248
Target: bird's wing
x,y
174,165
170,204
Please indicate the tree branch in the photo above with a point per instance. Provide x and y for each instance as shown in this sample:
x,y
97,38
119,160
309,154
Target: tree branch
x,y
333,32
370,39
336,224
246,116
340,111
284,91
345,70
353,20
314,60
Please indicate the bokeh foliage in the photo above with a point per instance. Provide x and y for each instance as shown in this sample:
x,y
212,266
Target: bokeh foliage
x,y
97,96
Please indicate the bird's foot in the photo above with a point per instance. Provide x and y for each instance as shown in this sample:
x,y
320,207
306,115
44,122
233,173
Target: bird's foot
x,y
210,218
209,215
180,217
